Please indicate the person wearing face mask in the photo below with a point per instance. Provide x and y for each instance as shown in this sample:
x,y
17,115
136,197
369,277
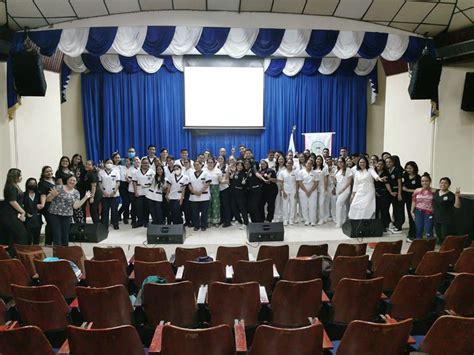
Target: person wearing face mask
x,y
123,190
64,199
142,181
46,183
175,193
32,205
109,182
444,203
13,214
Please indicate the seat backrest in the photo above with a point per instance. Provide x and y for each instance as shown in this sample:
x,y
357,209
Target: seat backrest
x,y
203,273
392,267
450,335
3,253
230,255
303,269
384,248
353,267
465,262
369,338
27,259
72,253
105,273
419,247
58,273
459,296
105,307
159,268
456,243
270,340
356,299
345,249
188,254
294,301
259,271
123,340
12,271
24,341
278,253
150,254
110,253
3,312
43,306
211,341
434,262
174,302
310,250
228,302
25,247
414,296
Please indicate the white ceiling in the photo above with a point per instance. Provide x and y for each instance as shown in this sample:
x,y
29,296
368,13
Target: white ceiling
x,y
420,16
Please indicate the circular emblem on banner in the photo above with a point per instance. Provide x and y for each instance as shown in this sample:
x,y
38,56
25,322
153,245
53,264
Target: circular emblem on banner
x,y
317,147
445,198
413,182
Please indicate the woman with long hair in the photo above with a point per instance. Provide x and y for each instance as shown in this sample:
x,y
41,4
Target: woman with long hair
x,y
13,214
382,197
76,163
238,178
422,208
109,183
199,182
224,192
64,171
32,206
343,190
269,190
155,193
175,188
411,182
46,183
307,186
279,167
444,203
394,188
288,188
322,177
90,183
214,174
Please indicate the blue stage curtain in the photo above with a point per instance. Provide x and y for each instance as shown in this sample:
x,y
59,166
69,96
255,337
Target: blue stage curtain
x,y
47,41
123,110
321,42
373,44
267,42
158,38
276,66
129,64
212,39
92,63
310,66
100,39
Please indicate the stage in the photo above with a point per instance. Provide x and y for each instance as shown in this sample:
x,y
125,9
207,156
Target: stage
x,y
213,237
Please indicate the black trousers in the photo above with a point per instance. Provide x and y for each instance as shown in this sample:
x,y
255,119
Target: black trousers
x,y
48,235
60,227
124,196
240,206
443,229
226,208
254,204
166,211
143,213
269,194
33,235
156,210
186,208
412,230
382,207
200,210
133,206
398,212
14,229
175,212
110,206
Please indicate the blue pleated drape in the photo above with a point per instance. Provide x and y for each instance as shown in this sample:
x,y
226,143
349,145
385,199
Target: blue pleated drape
x,y
122,110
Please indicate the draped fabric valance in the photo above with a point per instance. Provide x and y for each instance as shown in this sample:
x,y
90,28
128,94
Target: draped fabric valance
x,y
234,42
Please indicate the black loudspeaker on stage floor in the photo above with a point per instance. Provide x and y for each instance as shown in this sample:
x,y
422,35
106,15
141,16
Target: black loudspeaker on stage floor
x,y
363,228
265,232
88,233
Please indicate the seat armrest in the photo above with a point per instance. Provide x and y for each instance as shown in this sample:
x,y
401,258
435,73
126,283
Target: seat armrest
x,y
155,345
389,320
179,273
132,260
324,297
202,295
276,275
131,277
451,312
64,349
240,338
75,303
327,343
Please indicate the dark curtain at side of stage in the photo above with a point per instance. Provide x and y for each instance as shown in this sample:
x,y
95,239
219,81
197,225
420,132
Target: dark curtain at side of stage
x,y
123,110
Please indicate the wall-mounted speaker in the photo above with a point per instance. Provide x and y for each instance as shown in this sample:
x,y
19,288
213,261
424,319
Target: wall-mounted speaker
x,y
28,73
467,103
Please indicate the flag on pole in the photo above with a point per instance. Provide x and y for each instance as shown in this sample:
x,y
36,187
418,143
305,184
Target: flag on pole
x,y
291,144
316,142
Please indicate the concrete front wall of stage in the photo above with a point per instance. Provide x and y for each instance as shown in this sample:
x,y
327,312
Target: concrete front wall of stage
x,y
442,147
33,138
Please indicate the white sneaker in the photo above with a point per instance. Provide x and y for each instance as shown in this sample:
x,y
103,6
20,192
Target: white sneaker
x,y
313,224
306,223
285,223
320,223
290,223
396,231
242,227
337,226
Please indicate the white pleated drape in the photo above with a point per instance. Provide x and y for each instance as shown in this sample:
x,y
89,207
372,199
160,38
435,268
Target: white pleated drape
x,y
73,41
329,65
293,66
75,64
111,63
149,64
348,44
395,47
239,41
293,43
365,66
184,39
129,40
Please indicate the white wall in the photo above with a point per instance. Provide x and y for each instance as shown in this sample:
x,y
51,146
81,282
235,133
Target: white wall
x,y
375,115
444,146
6,130
37,130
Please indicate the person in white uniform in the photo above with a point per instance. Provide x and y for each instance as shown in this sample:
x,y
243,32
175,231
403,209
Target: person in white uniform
x,y
343,189
331,196
271,160
131,189
363,193
142,181
109,183
287,180
199,183
154,195
322,177
308,184
184,157
176,183
151,157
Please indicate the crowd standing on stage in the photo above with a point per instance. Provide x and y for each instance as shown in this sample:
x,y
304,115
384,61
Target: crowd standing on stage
x,y
225,189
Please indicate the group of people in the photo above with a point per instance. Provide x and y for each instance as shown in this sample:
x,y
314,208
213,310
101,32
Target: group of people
x,y
221,190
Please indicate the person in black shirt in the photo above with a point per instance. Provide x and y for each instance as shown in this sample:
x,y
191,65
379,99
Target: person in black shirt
x,y
13,215
64,171
32,206
395,191
269,190
238,183
411,181
77,164
382,197
254,191
444,203
90,182
46,183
